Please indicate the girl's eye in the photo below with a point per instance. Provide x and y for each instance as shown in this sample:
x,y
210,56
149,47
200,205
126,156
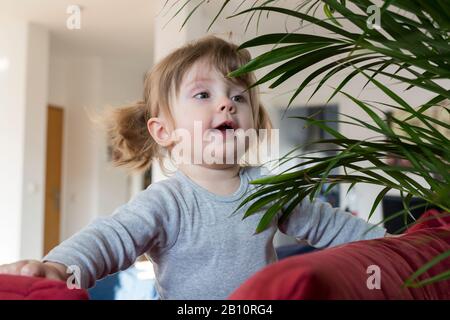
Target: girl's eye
x,y
238,98
202,95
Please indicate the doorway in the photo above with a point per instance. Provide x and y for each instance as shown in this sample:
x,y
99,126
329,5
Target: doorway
x,y
53,174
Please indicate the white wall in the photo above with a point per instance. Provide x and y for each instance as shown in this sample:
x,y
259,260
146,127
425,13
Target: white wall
x,y
12,109
33,190
83,85
23,100
73,85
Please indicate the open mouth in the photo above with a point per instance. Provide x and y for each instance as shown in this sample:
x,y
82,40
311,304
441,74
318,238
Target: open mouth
x,y
226,125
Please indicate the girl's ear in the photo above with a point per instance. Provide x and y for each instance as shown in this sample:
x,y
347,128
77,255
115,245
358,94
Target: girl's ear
x,y
159,130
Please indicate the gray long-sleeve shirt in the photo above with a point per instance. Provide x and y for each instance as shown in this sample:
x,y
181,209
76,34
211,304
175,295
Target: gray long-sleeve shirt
x,y
199,250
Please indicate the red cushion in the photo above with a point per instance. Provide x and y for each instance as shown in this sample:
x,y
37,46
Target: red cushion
x,y
30,288
341,272
431,219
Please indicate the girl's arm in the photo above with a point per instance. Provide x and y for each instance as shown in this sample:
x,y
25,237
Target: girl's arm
x,y
320,224
324,226
113,243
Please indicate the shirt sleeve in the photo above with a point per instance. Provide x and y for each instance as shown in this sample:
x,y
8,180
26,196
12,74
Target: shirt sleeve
x,y
323,226
147,223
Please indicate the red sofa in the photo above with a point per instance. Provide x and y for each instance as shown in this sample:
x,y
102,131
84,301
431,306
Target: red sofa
x,y
342,272
30,288
335,273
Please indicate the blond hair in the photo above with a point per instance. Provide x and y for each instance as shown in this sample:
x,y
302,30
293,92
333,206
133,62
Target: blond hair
x,y
132,144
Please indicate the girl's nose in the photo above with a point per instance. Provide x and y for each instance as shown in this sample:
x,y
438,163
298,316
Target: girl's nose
x,y
227,105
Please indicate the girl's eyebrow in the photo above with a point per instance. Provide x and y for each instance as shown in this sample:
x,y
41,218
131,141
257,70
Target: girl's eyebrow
x,y
198,80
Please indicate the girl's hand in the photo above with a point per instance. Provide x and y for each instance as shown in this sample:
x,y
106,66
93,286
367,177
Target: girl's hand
x,y
35,268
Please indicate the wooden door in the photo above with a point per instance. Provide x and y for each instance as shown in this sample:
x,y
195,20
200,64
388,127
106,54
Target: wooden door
x,y
53,178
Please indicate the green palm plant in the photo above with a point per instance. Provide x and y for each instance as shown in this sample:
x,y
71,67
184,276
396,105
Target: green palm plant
x,y
411,45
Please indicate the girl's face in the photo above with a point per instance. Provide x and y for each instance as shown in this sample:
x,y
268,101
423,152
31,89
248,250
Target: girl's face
x,y
207,99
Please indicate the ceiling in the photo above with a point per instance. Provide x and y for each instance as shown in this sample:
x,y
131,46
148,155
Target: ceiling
x,y
108,28
126,27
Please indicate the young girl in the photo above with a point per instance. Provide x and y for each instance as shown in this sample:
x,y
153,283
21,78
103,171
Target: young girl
x,y
184,223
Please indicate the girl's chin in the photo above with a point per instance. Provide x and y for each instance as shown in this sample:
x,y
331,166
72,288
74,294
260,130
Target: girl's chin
x,y
225,151
215,153
219,166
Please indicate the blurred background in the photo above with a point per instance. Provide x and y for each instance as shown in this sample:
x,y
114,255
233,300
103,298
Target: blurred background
x,y
61,63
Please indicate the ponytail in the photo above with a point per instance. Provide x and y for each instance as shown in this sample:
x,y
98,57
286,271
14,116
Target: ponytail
x,y
131,143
